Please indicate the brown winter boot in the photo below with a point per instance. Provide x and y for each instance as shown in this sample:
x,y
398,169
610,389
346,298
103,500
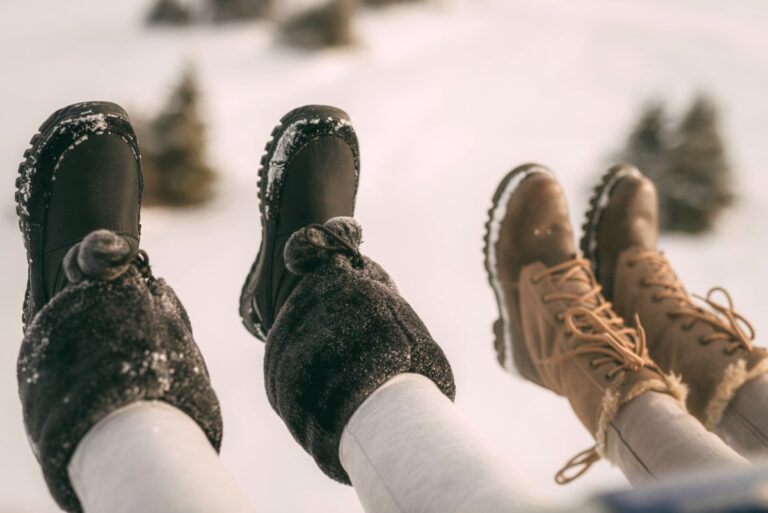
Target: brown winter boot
x,y
555,327
711,348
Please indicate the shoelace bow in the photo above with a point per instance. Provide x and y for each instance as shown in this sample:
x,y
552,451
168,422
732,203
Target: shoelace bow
x,y
342,245
729,325
590,318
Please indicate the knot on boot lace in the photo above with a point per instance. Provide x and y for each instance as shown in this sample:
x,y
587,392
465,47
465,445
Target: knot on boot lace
x,y
318,245
102,255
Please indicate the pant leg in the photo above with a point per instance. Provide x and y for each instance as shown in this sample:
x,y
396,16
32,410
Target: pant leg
x,y
744,425
408,450
150,457
653,437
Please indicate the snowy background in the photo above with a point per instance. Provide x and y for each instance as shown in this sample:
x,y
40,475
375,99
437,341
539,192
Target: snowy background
x,y
446,97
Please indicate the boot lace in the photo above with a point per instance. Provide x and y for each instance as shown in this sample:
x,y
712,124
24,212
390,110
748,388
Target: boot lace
x,y
728,325
591,319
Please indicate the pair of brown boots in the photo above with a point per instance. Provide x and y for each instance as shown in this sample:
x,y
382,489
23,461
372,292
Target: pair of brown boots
x,y
606,327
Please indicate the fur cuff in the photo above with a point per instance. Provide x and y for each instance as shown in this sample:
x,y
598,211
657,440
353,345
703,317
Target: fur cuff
x,y
734,378
343,332
114,336
669,384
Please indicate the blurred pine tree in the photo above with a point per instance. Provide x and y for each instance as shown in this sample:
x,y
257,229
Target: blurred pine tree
x,y
328,24
647,143
234,10
698,184
689,166
169,12
175,169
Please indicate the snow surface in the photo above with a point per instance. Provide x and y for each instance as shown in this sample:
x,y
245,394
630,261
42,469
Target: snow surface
x,y
446,98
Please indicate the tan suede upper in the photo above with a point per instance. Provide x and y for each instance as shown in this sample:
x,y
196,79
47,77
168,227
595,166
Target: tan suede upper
x,y
680,343
563,334
547,339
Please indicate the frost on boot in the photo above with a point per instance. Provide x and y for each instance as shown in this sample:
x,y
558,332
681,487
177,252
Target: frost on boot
x,y
115,335
343,332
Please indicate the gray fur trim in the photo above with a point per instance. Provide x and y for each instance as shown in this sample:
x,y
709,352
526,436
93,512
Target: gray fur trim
x,y
343,332
99,345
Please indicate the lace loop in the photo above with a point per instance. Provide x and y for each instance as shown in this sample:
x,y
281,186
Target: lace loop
x,y
342,245
581,462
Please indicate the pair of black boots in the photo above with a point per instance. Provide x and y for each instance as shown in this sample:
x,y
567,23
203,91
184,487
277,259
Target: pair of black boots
x,y
102,332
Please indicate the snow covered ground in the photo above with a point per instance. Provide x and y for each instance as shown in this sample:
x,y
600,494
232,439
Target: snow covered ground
x,y
446,98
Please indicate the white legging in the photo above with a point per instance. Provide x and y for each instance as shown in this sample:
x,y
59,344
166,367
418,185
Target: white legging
x,y
150,457
406,449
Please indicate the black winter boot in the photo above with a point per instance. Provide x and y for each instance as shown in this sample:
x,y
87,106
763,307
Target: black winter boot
x,y
340,329
108,333
68,187
308,174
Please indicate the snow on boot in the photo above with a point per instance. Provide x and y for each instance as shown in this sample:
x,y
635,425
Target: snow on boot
x,y
308,174
555,327
708,344
100,331
335,326
81,173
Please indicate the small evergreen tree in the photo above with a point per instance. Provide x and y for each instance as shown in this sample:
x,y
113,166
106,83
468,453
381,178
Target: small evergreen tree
x,y
689,167
175,169
326,25
383,3
234,10
647,145
169,12
698,184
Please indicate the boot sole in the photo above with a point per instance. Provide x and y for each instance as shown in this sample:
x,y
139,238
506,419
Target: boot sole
x,y
506,328
249,314
35,177
601,196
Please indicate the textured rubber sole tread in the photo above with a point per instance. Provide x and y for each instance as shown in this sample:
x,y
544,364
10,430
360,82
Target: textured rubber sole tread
x,y
588,241
249,315
498,325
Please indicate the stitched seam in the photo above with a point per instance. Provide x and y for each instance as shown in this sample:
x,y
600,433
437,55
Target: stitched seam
x,y
632,451
749,426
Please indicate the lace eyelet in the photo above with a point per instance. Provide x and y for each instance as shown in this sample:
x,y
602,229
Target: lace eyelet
x,y
568,333
686,326
592,364
728,352
560,317
608,377
657,299
704,342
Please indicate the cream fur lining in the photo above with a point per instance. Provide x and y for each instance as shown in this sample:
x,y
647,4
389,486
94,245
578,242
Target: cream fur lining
x,y
669,384
736,374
